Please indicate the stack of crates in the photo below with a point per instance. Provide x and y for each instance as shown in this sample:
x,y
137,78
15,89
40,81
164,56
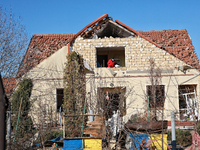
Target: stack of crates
x,y
84,143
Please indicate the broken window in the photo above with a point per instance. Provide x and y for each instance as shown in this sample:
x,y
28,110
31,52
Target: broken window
x,y
156,96
59,97
112,100
106,53
188,107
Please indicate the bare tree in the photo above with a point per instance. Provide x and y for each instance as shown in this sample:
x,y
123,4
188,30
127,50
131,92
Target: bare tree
x,y
13,42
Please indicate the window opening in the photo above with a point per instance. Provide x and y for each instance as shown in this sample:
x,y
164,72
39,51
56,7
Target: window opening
x,y
188,107
59,96
106,53
157,93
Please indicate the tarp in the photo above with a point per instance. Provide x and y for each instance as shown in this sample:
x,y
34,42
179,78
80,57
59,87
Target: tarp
x,y
54,140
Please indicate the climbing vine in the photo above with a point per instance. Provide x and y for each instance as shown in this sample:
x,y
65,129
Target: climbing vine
x,y
74,92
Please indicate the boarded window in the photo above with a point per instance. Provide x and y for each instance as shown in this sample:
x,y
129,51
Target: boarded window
x,y
156,95
59,96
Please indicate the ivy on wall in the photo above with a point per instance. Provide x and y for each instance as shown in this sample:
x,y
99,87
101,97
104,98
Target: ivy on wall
x,y
23,94
74,92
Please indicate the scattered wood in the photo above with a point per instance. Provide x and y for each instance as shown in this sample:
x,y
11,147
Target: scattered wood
x,y
81,115
96,128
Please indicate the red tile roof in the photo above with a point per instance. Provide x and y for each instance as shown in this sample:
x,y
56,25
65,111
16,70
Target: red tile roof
x,y
176,42
42,46
9,84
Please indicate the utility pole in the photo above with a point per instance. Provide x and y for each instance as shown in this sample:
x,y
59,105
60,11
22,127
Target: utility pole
x,y
173,131
2,116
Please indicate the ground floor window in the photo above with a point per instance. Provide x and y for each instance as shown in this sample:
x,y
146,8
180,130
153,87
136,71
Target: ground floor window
x,y
156,96
188,107
59,98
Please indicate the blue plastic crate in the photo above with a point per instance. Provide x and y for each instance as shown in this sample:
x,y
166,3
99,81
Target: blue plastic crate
x,y
73,144
139,138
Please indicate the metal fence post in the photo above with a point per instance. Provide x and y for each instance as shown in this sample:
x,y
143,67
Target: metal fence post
x,y
173,131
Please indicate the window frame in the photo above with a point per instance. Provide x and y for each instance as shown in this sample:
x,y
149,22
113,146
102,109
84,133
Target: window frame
x,y
111,48
57,109
160,106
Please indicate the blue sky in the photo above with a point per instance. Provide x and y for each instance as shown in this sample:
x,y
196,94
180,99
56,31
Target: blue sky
x,y
65,16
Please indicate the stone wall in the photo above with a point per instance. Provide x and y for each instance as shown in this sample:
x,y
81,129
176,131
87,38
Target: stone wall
x,y
137,52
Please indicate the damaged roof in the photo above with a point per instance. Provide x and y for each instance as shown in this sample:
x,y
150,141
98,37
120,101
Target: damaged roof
x,y
175,42
42,46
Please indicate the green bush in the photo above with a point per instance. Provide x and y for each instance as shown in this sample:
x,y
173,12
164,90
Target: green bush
x,y
183,137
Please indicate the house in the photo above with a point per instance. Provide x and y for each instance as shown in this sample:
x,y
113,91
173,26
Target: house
x,y
9,86
126,87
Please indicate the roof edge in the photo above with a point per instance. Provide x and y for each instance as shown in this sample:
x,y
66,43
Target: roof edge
x,y
54,34
89,25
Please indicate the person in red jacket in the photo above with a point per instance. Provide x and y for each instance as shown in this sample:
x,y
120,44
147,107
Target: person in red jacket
x,y
111,63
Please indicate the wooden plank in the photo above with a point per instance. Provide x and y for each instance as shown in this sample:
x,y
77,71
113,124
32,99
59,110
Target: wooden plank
x,y
81,115
93,127
95,124
98,119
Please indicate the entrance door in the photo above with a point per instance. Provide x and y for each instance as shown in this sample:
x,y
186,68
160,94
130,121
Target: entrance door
x,y
112,100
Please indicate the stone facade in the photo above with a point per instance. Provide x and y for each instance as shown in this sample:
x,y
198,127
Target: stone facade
x,y
137,52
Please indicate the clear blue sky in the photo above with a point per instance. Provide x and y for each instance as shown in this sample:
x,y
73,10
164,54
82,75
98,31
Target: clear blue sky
x,y
70,16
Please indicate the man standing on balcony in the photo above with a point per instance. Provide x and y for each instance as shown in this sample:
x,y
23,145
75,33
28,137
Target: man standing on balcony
x,y
111,63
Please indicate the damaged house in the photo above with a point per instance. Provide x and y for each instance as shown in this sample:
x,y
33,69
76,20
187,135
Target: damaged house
x,y
126,87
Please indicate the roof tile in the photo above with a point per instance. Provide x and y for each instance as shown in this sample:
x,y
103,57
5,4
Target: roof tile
x,y
9,84
176,42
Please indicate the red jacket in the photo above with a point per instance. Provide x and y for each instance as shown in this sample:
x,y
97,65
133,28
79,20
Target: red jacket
x,y
110,63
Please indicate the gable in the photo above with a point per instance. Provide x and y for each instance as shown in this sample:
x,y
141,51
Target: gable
x,y
137,52
50,68
41,47
175,42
